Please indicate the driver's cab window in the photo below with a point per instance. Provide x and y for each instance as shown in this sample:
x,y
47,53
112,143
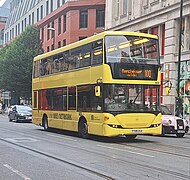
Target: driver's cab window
x,y
130,98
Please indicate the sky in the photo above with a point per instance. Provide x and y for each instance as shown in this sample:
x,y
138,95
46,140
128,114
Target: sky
x,y
1,2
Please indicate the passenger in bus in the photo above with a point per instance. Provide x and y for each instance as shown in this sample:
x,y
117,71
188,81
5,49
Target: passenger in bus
x,y
131,104
64,66
49,68
109,99
125,57
42,70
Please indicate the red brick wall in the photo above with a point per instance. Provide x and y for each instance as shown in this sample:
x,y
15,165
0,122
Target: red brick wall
x,y
73,32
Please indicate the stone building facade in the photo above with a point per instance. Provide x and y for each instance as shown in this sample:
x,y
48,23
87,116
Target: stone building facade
x,y
160,17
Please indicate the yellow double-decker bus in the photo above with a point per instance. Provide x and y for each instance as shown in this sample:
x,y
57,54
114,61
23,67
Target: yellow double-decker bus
x,y
106,85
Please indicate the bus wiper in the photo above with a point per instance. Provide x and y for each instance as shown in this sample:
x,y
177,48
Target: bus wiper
x,y
136,96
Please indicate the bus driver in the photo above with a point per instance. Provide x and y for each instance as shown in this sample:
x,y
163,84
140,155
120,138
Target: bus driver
x,y
109,100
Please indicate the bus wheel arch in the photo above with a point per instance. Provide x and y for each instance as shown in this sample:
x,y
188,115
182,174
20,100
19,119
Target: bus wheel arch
x,y
45,122
83,127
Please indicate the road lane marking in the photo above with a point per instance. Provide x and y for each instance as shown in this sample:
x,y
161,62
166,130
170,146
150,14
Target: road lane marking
x,y
61,137
16,172
123,150
21,139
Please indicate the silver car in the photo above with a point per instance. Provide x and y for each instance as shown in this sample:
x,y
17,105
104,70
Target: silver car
x,y
20,113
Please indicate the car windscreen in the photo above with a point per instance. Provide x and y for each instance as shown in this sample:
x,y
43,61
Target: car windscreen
x,y
165,110
23,108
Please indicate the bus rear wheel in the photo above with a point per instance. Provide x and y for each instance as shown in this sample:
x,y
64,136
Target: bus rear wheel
x,y
45,123
83,129
130,137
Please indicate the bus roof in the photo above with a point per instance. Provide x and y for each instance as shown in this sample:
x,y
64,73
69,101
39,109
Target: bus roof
x,y
91,39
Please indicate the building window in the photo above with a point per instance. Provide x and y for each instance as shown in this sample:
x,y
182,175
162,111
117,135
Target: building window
x,y
7,36
162,39
63,1
48,32
48,49
124,7
18,28
64,42
53,31
42,34
22,25
117,9
145,3
47,7
59,25
41,8
83,19
58,3
81,38
51,5
25,23
100,18
52,47
33,18
59,44
13,34
64,23
37,14
29,20
10,34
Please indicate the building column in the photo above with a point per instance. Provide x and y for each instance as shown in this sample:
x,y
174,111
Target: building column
x,y
170,69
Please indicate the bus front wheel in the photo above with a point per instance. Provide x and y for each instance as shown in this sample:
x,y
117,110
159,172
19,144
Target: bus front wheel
x,y
83,128
130,137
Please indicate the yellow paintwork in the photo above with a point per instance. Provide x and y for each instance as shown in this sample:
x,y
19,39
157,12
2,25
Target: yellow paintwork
x,y
98,125
97,122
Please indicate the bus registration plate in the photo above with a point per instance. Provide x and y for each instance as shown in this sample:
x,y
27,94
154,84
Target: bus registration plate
x,y
180,131
137,130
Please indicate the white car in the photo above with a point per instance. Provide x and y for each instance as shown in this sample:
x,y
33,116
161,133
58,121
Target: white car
x,y
172,124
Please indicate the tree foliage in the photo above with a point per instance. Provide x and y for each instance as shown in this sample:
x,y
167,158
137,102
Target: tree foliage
x,y
16,62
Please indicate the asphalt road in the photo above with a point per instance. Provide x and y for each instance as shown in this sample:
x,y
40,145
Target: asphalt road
x,y
27,152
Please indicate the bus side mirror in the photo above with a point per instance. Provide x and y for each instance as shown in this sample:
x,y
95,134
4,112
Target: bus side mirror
x,y
97,91
167,90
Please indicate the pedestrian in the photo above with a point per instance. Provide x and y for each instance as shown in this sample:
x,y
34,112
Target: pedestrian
x,y
3,107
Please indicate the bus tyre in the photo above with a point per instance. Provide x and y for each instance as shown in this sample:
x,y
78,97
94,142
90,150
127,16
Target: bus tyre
x,y
130,137
83,129
45,123
180,135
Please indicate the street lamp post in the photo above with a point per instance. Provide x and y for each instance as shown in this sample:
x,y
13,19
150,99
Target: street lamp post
x,y
179,57
52,29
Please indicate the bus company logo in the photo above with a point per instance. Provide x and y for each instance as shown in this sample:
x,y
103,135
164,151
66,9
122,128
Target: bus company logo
x,y
62,116
131,72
